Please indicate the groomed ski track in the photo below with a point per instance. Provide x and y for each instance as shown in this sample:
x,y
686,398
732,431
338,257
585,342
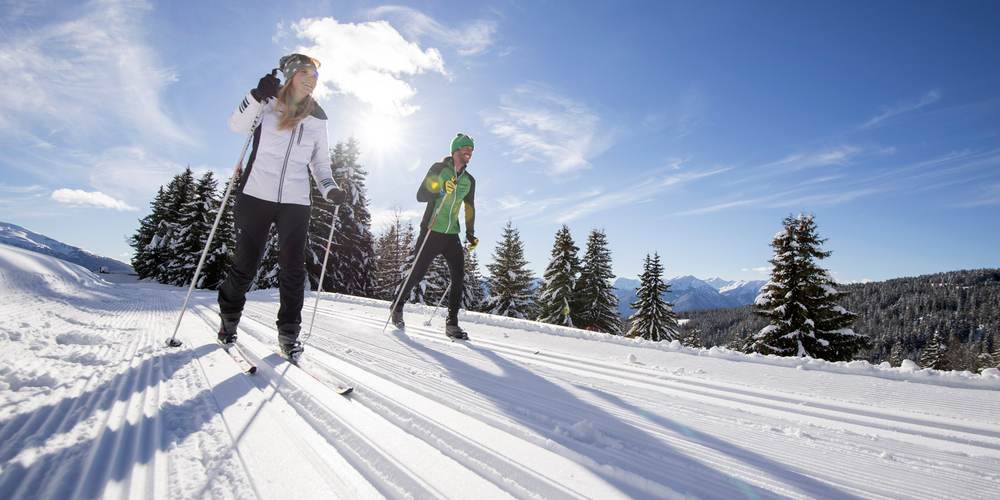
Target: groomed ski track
x,y
514,413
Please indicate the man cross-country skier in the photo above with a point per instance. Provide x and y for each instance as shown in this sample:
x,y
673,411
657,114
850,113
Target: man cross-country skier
x,y
446,187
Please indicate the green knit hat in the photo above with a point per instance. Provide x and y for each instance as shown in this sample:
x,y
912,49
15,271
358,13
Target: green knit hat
x,y
460,141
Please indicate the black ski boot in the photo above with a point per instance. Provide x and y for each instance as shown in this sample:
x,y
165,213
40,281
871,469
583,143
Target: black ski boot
x,y
451,328
397,318
227,330
288,340
292,350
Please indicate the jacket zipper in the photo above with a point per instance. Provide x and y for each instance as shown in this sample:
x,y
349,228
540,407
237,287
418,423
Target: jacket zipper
x,y
453,200
298,142
284,165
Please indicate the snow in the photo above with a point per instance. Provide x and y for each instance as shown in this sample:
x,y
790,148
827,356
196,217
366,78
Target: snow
x,y
92,404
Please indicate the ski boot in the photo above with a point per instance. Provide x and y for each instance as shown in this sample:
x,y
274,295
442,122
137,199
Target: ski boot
x,y
227,329
452,330
397,318
292,351
226,339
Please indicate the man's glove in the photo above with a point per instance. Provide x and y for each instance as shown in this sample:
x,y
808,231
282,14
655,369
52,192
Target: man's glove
x,y
449,185
335,195
267,87
471,242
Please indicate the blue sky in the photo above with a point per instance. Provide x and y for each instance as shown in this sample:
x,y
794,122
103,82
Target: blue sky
x,y
686,128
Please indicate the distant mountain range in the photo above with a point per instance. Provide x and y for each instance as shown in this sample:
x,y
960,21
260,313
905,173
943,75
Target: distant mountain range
x,y
688,293
17,236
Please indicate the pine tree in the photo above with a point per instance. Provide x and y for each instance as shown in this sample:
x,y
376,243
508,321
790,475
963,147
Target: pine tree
x,y
933,353
896,354
984,361
351,265
690,338
269,269
436,282
223,250
800,301
194,225
555,296
510,280
474,295
391,248
143,259
654,318
996,349
597,304
166,246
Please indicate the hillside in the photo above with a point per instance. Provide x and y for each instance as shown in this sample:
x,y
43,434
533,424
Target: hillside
x,y
20,237
92,404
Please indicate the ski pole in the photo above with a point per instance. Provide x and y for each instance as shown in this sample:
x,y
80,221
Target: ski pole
x,y
322,273
438,306
420,250
172,341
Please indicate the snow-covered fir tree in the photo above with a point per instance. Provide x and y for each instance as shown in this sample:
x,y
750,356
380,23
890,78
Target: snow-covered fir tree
x,y
896,353
984,361
933,353
555,295
269,269
436,282
143,257
690,338
194,225
391,248
654,318
351,265
995,340
597,304
800,300
510,279
474,295
164,246
223,249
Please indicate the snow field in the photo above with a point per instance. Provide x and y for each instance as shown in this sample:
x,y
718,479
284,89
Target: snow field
x,y
92,404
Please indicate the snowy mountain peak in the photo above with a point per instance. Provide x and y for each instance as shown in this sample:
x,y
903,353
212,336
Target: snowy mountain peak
x,y
17,236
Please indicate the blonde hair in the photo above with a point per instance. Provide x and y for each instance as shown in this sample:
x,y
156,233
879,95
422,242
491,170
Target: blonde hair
x,y
292,113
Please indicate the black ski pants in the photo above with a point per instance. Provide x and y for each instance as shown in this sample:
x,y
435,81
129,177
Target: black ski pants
x,y
439,244
253,221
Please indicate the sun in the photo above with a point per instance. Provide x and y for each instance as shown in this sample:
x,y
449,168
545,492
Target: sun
x,y
380,134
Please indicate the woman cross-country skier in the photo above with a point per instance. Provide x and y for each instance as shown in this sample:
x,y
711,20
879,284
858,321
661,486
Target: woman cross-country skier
x,y
447,186
289,143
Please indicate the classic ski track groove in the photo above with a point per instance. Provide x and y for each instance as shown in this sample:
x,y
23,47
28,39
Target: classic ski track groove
x,y
478,458
991,480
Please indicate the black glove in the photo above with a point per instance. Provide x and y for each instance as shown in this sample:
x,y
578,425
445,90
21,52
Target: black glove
x,y
267,87
335,196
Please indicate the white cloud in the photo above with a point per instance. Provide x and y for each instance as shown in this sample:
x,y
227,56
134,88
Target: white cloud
x,y
888,112
369,61
545,127
34,188
469,38
384,217
78,197
759,270
84,76
836,156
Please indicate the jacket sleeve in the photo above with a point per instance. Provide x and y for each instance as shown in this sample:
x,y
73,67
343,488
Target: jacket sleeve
x,y
470,211
430,187
319,164
244,114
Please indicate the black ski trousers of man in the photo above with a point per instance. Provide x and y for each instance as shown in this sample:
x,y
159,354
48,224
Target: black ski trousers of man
x,y
439,244
253,221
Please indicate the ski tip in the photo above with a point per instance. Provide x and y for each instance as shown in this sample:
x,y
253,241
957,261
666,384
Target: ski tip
x,y
344,390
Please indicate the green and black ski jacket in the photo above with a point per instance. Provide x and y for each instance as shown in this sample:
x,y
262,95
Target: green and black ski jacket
x,y
431,192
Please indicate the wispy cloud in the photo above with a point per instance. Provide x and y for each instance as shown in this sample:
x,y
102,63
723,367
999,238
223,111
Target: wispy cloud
x,y
382,218
84,76
469,38
78,197
988,195
543,126
635,193
130,173
889,112
370,61
20,190
826,157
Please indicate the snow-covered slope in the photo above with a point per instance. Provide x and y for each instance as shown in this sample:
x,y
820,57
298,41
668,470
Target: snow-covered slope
x,y
93,405
20,237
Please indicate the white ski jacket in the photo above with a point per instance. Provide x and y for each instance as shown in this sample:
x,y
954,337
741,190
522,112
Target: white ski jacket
x,y
280,161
